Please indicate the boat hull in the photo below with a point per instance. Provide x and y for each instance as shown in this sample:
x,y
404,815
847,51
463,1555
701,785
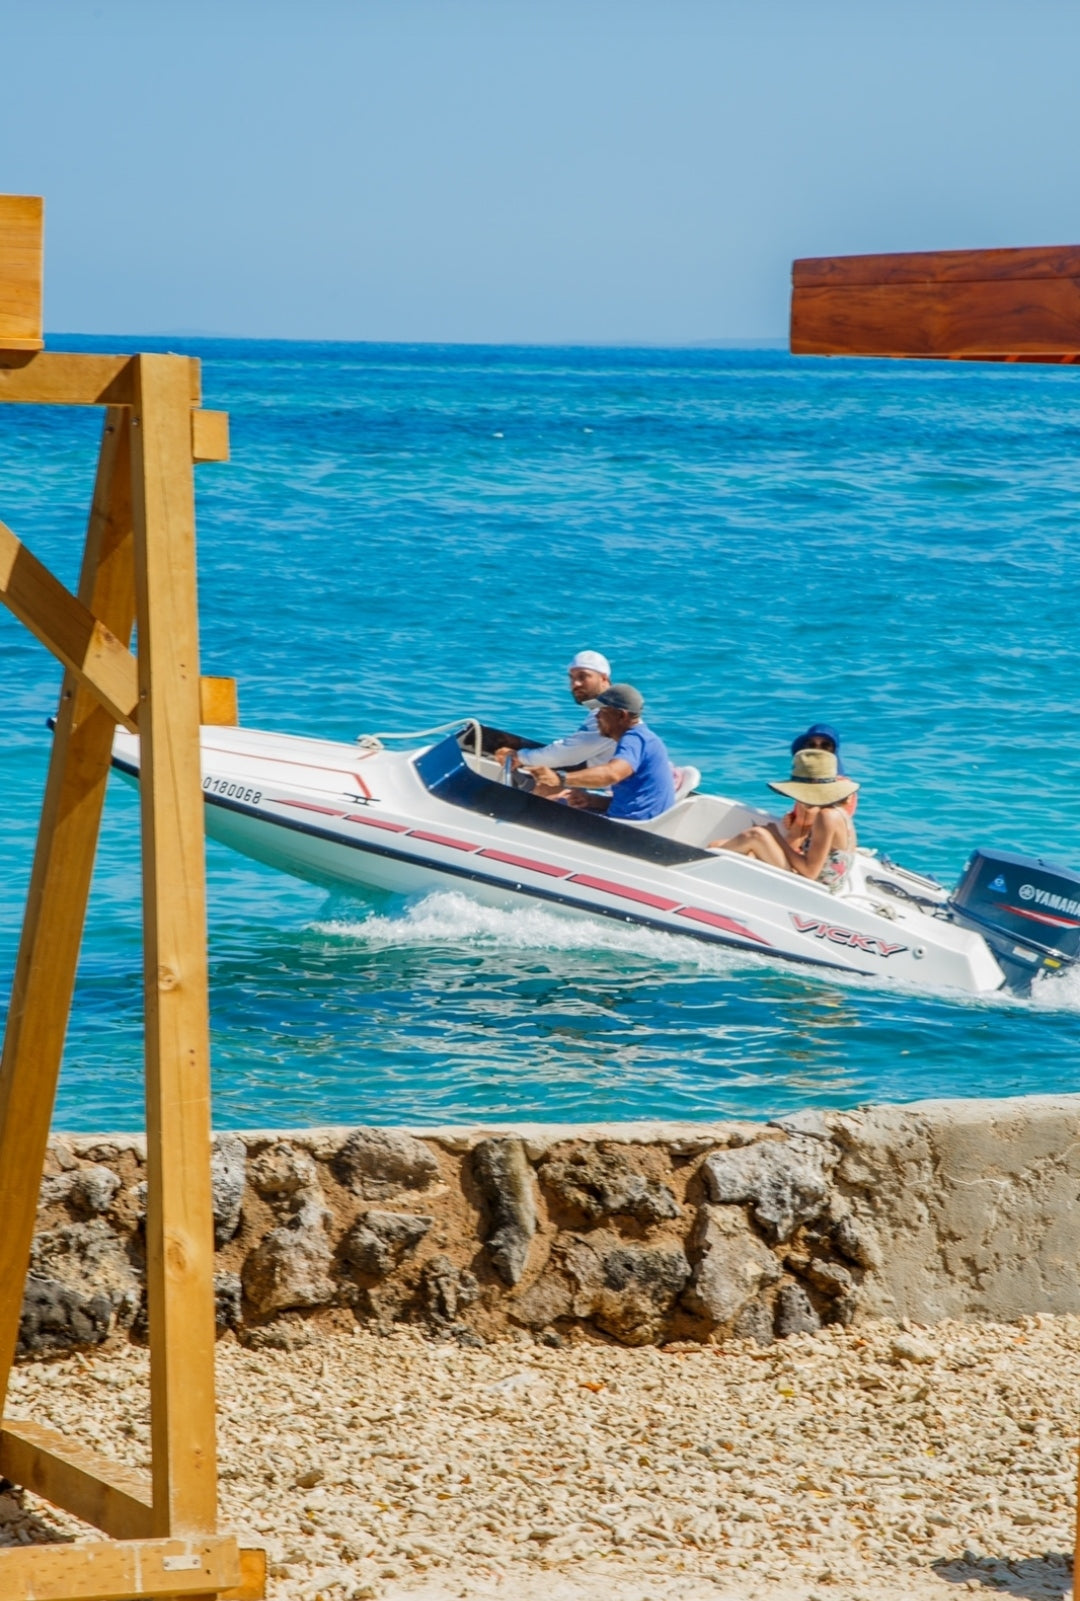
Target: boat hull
x,y
406,824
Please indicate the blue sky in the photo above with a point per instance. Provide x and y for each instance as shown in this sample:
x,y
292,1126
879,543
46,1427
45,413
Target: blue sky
x,y
520,170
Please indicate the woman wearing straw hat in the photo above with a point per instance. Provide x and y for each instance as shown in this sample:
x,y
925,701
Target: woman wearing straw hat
x,y
819,842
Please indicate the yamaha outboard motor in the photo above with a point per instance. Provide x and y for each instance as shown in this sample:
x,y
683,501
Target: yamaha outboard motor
x,y
1027,910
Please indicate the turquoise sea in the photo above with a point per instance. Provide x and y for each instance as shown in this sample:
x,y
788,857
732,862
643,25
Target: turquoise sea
x,y
408,534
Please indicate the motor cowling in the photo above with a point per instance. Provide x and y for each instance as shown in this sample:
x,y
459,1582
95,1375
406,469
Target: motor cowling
x,y
1027,910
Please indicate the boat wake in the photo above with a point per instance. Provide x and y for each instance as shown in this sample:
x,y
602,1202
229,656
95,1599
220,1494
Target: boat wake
x,y
449,918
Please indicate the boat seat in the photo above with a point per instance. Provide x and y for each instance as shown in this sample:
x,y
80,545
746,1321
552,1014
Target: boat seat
x,y
687,779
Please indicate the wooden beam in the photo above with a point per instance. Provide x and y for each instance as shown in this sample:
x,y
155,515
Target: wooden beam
x,y
210,435
978,305
252,1586
218,703
59,886
78,639
179,1225
54,378
22,219
119,1570
114,1498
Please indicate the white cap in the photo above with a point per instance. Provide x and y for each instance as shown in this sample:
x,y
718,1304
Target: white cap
x,y
592,662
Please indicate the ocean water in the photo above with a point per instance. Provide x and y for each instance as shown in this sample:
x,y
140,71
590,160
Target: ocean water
x,y
408,534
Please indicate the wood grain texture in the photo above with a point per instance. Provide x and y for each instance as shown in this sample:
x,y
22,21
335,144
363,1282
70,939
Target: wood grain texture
x,y
252,1586
119,1570
22,224
938,266
53,378
219,706
114,1498
80,641
59,886
210,435
996,319
179,1228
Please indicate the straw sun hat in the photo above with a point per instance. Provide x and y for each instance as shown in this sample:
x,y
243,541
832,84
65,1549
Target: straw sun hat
x,y
814,779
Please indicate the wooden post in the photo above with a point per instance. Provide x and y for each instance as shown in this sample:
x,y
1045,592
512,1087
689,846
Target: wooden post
x,y
59,887
179,1221
139,562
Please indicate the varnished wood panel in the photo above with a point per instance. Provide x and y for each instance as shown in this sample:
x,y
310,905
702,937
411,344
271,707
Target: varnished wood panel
x,y
22,220
993,318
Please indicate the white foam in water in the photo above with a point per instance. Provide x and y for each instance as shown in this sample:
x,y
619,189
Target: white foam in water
x,y
450,918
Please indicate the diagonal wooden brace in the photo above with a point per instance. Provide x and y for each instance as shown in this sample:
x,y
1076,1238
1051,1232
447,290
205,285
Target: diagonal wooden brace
x,y
93,655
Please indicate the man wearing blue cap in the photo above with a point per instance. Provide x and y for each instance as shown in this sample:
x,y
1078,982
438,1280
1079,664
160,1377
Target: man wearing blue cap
x,y
590,675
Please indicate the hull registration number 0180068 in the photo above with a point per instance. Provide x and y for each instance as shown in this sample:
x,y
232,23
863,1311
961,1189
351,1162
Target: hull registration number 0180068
x,y
231,790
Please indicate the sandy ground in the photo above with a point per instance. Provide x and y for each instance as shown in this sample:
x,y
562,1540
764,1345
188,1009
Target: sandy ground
x,y
864,1464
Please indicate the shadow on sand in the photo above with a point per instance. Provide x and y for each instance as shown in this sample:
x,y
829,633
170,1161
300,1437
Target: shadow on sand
x,y
1045,1578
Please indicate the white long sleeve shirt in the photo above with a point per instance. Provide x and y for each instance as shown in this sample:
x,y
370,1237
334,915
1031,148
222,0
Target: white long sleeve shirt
x,y
587,746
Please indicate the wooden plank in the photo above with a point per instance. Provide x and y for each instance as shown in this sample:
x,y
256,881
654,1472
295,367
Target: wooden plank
x,y
252,1586
219,706
54,378
114,1498
119,1570
1035,319
210,435
22,226
59,885
179,1228
938,266
89,650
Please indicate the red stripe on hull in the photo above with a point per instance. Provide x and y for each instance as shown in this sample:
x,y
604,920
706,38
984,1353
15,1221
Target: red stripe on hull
x,y
661,902
376,822
525,861
309,806
718,920
441,839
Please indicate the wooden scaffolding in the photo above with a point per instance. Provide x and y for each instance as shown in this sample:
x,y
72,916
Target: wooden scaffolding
x,y
138,573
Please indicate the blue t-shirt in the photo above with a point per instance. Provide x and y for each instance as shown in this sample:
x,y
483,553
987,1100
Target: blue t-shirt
x,y
650,789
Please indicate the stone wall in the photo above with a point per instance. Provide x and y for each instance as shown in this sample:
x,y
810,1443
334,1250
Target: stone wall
x,y
637,1233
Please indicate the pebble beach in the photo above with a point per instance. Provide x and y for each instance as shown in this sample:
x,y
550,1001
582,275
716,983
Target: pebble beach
x,y
870,1463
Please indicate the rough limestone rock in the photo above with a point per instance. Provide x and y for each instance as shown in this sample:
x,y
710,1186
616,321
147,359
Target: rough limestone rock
x,y
91,1261
783,1181
856,1239
545,1302
755,1322
228,1170
629,1291
228,1301
291,1267
88,1191
446,1290
504,1178
283,1171
380,1162
57,1317
794,1312
831,1278
605,1184
378,1242
731,1264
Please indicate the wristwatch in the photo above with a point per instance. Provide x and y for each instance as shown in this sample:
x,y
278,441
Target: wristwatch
x,y
560,774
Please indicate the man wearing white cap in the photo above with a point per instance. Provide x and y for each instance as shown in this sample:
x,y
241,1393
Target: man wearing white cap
x,y
590,675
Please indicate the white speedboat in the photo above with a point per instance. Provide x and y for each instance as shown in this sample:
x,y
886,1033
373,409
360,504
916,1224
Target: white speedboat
x,y
362,816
